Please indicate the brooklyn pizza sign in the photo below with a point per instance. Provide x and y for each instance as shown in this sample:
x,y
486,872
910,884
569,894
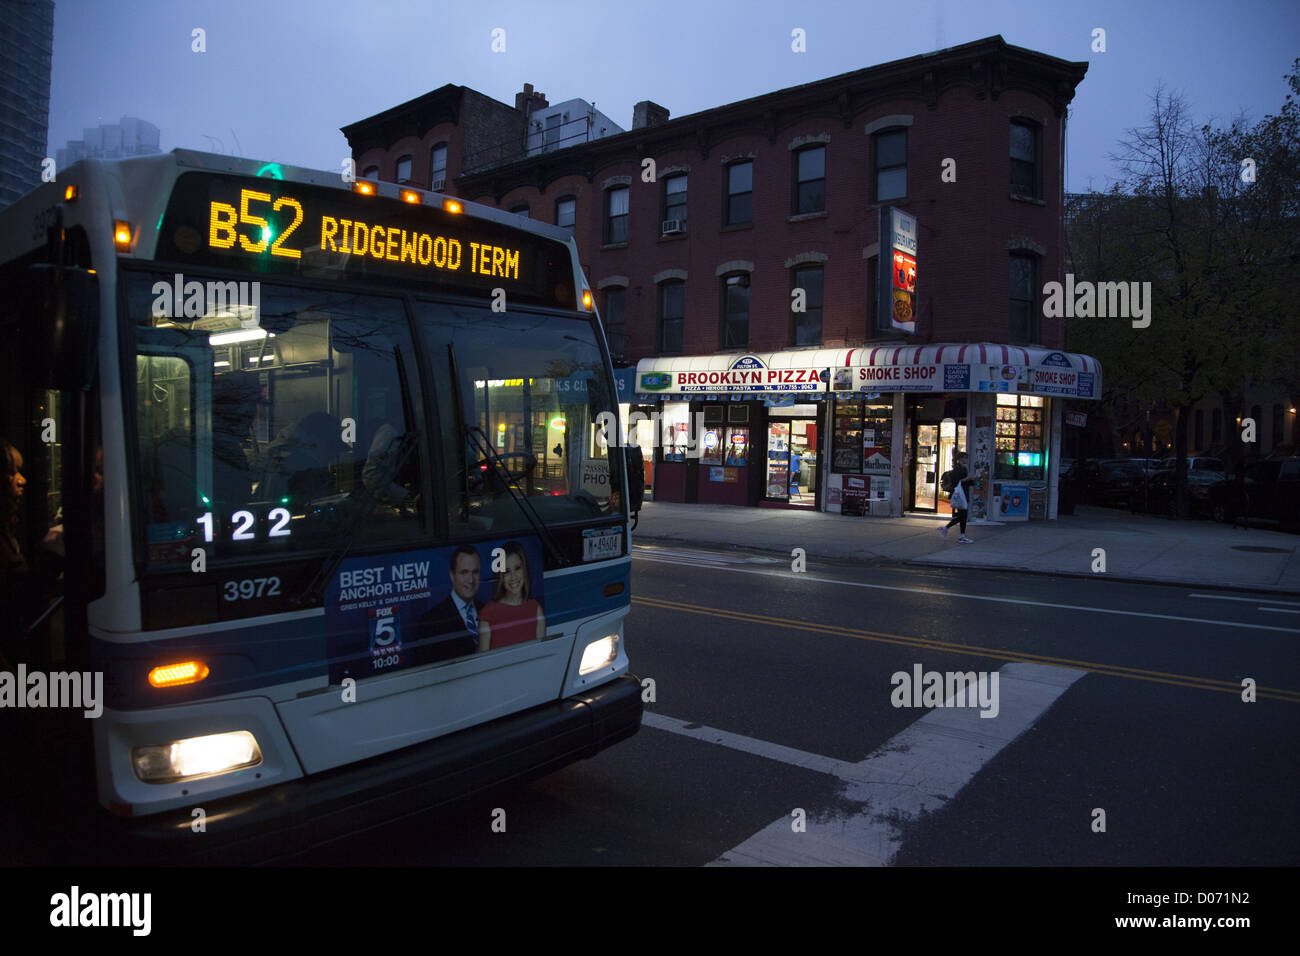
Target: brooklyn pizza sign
x,y
748,373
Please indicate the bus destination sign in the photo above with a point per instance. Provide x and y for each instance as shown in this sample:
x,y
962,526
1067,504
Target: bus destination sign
x,y
273,226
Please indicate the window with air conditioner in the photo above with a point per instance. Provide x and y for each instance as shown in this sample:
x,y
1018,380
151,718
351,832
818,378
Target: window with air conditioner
x,y
438,165
674,218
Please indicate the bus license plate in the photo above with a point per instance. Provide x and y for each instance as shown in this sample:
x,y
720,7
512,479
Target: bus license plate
x,y
601,543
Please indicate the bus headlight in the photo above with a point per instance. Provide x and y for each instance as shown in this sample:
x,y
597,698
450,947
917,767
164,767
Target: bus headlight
x,y
598,654
196,757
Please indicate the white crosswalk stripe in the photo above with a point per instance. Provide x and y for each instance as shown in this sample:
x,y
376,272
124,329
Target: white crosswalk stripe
x,y
919,769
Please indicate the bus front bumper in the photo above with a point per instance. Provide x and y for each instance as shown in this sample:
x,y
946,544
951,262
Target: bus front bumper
x,y
276,823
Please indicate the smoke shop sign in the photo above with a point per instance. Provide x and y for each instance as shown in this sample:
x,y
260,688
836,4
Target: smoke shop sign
x,y
1055,381
749,374
902,378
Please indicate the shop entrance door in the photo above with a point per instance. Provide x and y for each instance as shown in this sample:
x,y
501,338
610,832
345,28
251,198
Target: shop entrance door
x,y
925,476
792,461
952,439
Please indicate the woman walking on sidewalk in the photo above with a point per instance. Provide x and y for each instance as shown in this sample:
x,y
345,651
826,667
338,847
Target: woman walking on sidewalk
x,y
959,501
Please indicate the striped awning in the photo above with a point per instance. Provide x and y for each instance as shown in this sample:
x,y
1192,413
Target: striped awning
x,y
816,374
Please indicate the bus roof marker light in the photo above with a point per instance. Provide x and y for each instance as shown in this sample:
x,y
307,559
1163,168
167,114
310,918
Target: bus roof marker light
x,y
586,299
70,193
174,675
451,205
411,196
363,186
122,235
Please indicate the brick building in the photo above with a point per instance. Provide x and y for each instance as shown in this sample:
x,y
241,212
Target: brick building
x,y
743,278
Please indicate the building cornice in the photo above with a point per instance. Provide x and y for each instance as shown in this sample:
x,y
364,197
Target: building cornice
x,y
988,67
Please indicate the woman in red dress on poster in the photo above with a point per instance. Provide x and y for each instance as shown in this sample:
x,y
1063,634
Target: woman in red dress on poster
x,y
511,617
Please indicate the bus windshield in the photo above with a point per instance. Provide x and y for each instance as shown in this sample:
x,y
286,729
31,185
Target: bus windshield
x,y
528,388
282,419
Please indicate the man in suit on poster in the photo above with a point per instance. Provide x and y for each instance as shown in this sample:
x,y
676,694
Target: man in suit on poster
x,y
451,625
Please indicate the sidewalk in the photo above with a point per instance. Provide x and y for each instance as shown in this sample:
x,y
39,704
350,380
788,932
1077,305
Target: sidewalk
x,y
1195,553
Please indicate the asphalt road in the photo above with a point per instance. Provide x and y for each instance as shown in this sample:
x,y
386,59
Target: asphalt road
x,y
1118,735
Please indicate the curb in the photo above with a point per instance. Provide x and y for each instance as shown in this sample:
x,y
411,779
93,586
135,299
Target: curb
x,y
925,563
1107,576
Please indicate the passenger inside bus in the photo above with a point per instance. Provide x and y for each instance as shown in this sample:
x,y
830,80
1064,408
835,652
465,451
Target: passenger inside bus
x,y
297,462
234,408
384,468
13,566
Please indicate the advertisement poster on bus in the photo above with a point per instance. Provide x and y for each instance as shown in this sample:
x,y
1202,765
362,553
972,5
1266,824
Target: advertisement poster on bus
x,y
388,612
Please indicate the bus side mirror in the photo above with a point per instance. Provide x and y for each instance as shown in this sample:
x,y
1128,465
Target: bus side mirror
x,y
60,308
635,477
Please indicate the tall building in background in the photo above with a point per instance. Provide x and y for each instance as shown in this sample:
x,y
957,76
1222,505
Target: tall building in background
x,y
130,137
26,47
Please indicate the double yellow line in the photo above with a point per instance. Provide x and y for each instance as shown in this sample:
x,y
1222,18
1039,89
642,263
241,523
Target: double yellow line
x,y
950,647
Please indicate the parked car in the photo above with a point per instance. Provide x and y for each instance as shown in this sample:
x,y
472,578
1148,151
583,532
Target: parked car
x,y
1159,498
1155,494
1117,480
1077,483
1268,489
1214,465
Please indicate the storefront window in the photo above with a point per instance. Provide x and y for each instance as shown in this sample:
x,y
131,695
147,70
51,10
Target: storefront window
x,y
846,439
861,437
711,445
737,451
675,424
778,459
1020,449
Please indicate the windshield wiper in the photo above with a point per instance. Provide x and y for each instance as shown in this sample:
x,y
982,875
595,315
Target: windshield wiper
x,y
503,473
506,478
370,496
406,443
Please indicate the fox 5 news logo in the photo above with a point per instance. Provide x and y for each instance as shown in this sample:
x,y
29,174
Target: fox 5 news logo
x,y
385,631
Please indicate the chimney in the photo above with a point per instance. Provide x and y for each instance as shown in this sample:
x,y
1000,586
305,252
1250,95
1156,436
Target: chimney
x,y
528,102
646,114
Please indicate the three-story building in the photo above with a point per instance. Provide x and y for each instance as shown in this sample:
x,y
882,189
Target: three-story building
x,y
737,256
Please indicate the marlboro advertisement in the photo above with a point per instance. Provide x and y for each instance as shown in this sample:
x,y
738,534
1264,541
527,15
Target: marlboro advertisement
x,y
898,268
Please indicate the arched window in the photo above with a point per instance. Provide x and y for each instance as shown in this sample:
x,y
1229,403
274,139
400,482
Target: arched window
x,y
889,164
616,206
808,190
566,212
806,326
740,194
672,316
1023,304
734,332
438,167
614,315
1026,159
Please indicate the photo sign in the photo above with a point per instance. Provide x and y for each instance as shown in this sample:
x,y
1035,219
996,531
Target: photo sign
x,y
897,278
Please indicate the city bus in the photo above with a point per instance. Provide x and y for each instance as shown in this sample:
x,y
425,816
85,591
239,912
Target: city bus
x,y
318,527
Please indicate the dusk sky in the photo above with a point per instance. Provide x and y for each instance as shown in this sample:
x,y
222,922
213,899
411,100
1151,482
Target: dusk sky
x,y
281,76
